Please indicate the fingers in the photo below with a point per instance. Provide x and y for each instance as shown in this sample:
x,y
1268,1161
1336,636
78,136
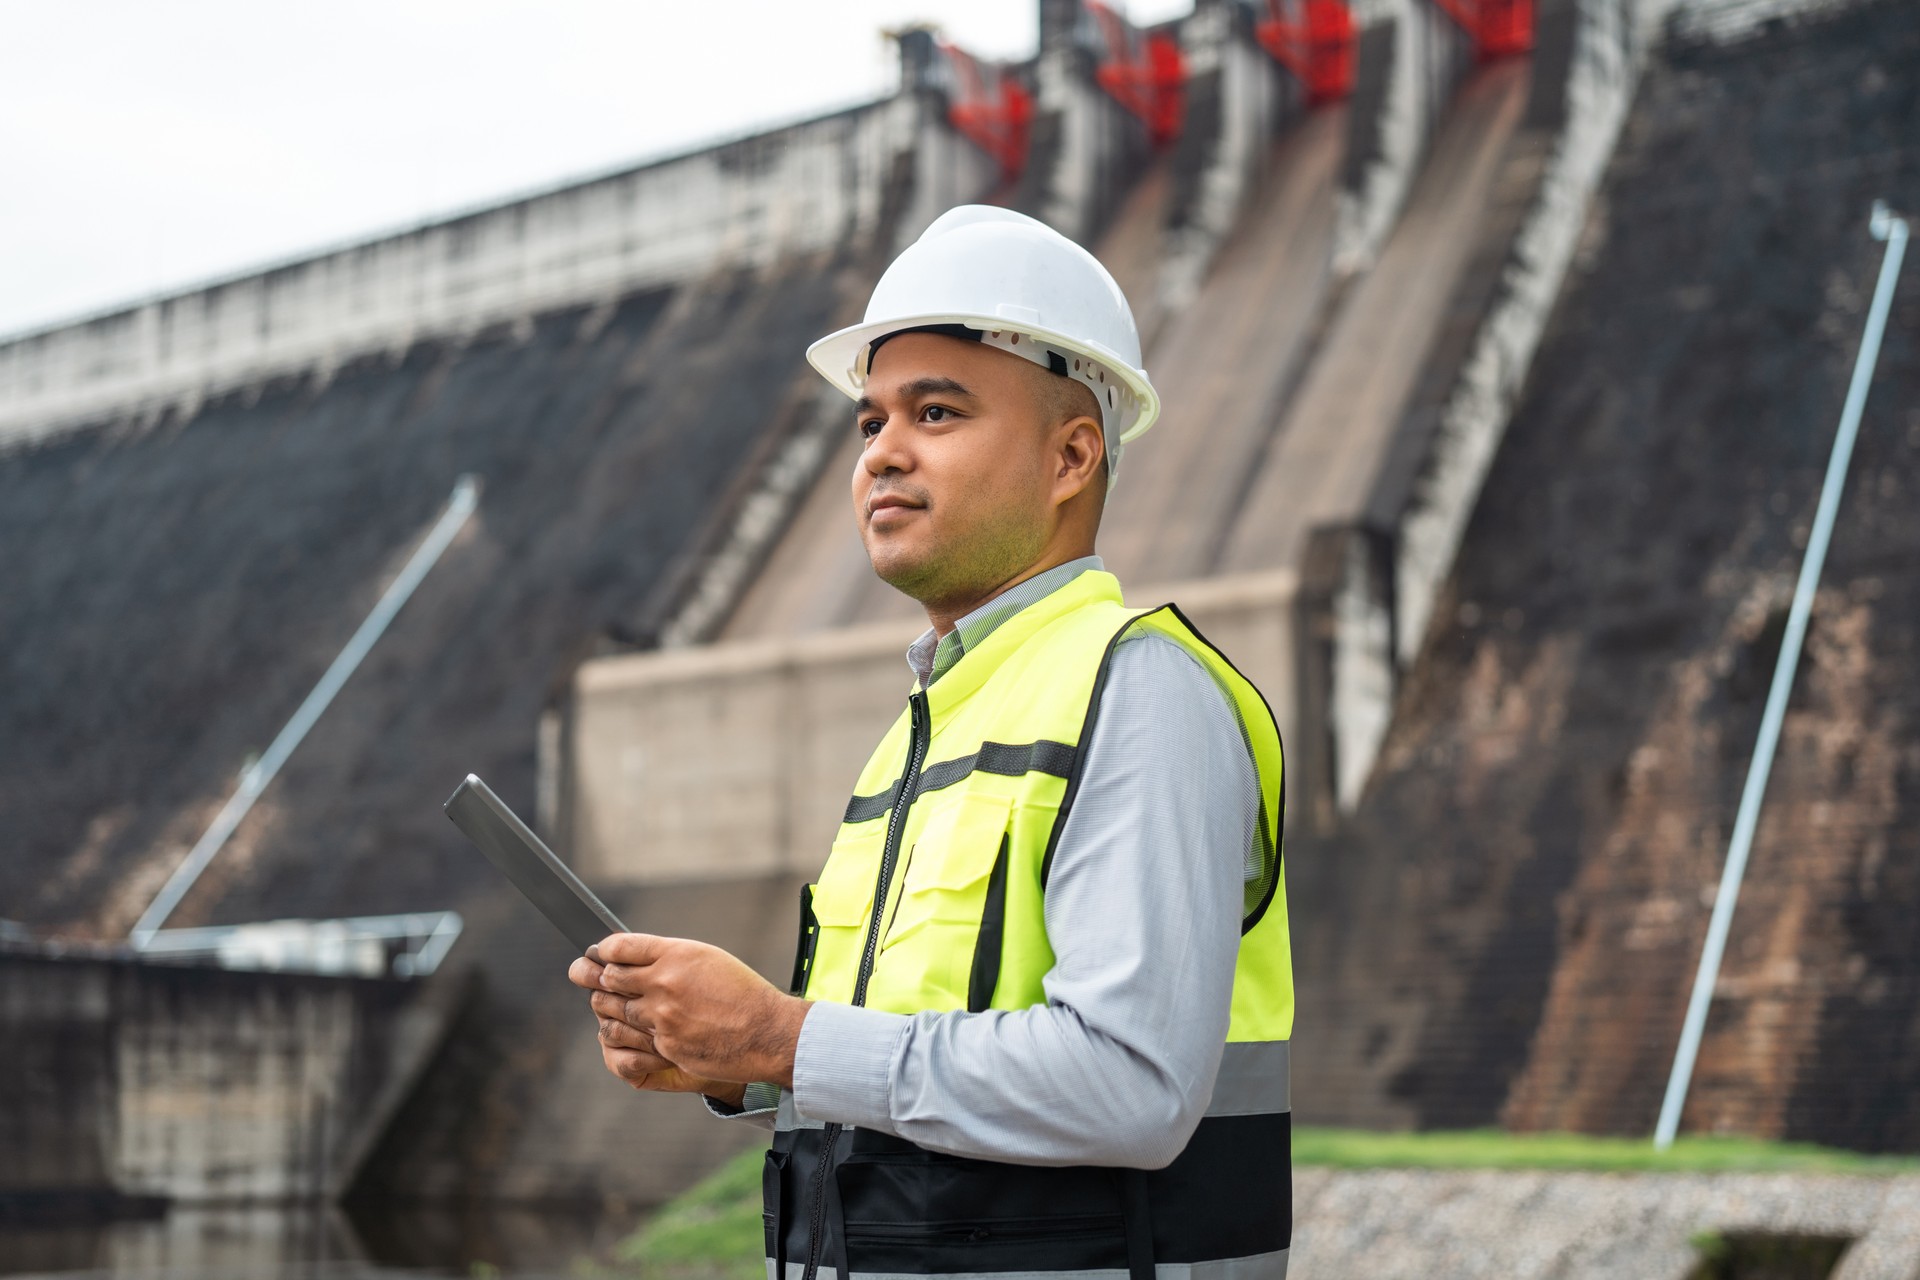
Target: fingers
x,y
585,973
630,949
618,963
614,971
634,952
624,1035
634,1066
628,1051
634,979
621,1009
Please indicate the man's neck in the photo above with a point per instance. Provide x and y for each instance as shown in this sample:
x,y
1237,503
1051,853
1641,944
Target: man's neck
x,y
944,615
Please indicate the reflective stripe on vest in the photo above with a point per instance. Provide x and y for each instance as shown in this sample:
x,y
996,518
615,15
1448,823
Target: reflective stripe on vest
x,y
1254,1077
932,899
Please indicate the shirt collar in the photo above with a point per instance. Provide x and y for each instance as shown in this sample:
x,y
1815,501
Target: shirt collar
x,y
932,658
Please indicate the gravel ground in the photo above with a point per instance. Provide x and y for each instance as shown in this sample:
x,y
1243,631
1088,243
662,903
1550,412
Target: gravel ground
x,y
1433,1225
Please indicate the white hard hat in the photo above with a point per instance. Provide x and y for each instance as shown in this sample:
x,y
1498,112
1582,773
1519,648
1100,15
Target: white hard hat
x,y
1024,288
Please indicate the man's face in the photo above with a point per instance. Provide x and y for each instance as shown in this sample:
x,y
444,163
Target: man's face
x,y
953,492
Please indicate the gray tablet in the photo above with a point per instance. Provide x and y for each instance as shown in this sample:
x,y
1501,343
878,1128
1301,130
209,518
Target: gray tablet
x,y
535,870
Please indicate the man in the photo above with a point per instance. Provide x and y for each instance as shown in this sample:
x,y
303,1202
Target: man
x,y
1043,993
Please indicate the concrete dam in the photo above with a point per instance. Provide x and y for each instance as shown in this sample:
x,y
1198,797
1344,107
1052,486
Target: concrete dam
x,y
1501,343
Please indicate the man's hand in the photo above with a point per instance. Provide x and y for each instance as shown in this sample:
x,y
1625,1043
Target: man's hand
x,y
681,1016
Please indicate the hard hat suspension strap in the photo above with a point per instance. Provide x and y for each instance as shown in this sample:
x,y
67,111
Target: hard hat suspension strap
x,y
1108,390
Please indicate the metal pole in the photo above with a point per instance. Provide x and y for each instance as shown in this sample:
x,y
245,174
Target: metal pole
x,y
1894,231
465,497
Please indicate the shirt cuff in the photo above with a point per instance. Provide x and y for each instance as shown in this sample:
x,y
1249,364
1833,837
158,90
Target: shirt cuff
x,y
842,1065
759,1101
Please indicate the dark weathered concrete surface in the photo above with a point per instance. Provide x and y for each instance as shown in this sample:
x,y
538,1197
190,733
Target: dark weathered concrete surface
x,y
178,587
181,585
1535,859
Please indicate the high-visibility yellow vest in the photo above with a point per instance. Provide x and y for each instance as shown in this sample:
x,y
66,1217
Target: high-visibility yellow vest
x,y
932,900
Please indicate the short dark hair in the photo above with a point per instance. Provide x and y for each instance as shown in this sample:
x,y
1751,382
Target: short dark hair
x,y
1069,399
1061,399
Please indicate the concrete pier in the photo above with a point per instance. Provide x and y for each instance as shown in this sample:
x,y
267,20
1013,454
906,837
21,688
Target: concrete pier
x,y
131,1084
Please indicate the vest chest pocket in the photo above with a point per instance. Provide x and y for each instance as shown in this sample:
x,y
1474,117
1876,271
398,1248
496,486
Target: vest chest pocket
x,y
942,915
946,877
841,905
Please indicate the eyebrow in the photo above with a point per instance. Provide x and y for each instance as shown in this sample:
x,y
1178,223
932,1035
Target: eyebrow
x,y
918,389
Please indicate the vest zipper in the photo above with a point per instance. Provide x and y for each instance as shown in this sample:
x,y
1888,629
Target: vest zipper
x,y
922,733
896,828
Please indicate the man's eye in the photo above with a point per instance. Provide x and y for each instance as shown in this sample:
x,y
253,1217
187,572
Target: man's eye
x,y
870,428
937,413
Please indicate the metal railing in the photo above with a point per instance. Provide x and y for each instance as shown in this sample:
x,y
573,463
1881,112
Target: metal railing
x,y
1884,226
409,946
254,780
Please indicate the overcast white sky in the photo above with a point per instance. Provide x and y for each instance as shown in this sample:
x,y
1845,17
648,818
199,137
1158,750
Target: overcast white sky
x,y
148,145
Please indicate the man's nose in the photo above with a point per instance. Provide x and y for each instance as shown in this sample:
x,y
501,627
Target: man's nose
x,y
889,449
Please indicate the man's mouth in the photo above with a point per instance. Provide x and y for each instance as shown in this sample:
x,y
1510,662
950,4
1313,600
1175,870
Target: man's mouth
x,y
883,503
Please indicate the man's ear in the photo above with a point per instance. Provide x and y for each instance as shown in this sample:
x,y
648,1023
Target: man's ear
x,y
1082,456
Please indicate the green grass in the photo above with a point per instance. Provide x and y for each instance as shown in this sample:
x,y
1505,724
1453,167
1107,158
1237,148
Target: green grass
x,y
1493,1149
713,1231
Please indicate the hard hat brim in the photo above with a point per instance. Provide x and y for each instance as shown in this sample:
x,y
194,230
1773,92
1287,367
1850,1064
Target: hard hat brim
x,y
837,355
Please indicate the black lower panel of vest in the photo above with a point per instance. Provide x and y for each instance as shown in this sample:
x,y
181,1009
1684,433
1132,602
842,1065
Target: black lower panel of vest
x,y
894,1207
1229,1194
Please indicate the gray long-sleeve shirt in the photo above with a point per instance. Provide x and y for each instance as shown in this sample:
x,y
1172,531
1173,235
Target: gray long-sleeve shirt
x,y
1143,910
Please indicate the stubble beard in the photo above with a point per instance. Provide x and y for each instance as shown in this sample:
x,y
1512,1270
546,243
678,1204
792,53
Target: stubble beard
x,y
952,575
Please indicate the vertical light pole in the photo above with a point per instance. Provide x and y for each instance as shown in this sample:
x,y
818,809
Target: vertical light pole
x,y
1884,226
